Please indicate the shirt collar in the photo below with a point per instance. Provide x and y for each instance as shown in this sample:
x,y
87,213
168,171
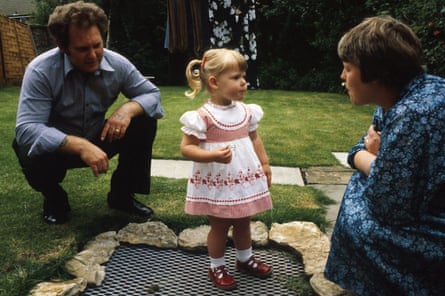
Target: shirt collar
x,y
104,66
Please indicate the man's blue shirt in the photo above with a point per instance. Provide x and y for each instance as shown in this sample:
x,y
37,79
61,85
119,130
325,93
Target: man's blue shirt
x,y
56,100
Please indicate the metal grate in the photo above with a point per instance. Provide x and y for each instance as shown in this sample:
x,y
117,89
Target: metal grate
x,y
141,270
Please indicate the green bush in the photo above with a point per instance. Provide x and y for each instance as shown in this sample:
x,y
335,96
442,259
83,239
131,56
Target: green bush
x,y
296,39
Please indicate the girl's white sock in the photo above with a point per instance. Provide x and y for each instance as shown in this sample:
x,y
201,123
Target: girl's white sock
x,y
216,262
244,255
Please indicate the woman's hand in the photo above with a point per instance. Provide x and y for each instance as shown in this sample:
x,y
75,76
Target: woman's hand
x,y
372,140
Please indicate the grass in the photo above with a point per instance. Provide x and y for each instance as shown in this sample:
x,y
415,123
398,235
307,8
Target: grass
x,y
298,129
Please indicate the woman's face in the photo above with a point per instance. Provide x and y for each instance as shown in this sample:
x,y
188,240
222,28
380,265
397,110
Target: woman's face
x,y
360,93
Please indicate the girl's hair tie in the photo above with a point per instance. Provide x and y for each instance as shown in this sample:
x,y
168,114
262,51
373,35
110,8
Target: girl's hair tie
x,y
203,62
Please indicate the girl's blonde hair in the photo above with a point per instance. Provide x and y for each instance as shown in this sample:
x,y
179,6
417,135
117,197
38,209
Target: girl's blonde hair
x,y
214,62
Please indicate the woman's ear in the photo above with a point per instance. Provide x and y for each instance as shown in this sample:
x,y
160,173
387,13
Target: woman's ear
x,y
213,82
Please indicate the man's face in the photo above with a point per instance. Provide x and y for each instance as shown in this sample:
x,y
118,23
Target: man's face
x,y
85,48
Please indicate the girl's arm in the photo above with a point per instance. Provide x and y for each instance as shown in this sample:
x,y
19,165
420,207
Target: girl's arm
x,y
262,155
191,150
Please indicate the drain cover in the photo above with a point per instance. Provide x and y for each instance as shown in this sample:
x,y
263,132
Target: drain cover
x,y
144,271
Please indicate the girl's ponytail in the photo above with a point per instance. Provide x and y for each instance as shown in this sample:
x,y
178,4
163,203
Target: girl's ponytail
x,y
193,74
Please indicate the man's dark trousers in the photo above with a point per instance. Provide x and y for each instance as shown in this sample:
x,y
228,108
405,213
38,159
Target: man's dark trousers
x,y
44,173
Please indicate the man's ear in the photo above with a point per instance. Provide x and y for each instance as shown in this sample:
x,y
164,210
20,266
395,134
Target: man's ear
x,y
213,82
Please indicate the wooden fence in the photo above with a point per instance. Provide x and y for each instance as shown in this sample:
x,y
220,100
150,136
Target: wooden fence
x,y
16,50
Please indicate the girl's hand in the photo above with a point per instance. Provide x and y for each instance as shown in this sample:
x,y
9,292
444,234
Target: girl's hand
x,y
223,155
268,173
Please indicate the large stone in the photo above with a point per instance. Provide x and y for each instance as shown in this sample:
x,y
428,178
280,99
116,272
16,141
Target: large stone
x,y
155,234
258,232
324,287
68,288
194,238
93,273
87,263
104,241
305,238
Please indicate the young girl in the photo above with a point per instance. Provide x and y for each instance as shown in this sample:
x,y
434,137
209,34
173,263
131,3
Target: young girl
x,y
231,172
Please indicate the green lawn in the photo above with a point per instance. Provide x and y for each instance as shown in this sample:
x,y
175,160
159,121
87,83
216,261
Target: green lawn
x,y
299,130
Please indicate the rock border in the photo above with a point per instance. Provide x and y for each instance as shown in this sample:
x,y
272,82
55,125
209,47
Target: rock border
x,y
305,238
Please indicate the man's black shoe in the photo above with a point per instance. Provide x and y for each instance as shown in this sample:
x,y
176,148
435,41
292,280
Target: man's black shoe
x,y
56,212
55,218
129,205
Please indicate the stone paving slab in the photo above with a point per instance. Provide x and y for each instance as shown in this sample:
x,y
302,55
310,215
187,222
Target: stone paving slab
x,y
180,169
333,175
342,157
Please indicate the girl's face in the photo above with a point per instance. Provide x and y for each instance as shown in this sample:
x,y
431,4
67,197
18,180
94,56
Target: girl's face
x,y
230,86
360,93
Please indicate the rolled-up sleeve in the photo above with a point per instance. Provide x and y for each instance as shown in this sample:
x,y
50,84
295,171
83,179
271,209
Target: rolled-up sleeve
x,y
151,103
139,89
33,114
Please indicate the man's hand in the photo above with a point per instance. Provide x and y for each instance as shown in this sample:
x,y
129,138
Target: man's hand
x,y
96,159
116,126
92,155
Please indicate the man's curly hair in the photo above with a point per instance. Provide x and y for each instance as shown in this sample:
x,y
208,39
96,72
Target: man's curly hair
x,y
79,14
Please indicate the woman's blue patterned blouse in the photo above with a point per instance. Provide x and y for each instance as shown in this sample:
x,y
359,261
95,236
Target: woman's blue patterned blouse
x,y
389,237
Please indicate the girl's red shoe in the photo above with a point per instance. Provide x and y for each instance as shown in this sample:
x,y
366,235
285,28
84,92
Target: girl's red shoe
x,y
254,267
221,278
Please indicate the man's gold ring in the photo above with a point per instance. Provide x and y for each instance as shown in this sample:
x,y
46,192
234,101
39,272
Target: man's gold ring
x,y
117,130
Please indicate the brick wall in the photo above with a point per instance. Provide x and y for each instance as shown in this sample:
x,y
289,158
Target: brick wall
x,y
16,50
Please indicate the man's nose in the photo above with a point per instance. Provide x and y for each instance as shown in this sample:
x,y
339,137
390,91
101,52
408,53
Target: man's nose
x,y
92,53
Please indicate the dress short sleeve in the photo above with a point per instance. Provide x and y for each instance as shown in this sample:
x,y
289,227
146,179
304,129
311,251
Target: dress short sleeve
x,y
257,114
193,125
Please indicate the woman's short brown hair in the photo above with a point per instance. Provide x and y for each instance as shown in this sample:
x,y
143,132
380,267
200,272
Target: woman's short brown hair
x,y
79,14
384,49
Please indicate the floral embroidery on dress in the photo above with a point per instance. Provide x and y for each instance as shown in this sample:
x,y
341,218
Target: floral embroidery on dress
x,y
234,190
218,181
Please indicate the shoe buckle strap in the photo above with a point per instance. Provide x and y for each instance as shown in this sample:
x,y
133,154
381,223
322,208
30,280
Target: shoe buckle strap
x,y
253,263
220,272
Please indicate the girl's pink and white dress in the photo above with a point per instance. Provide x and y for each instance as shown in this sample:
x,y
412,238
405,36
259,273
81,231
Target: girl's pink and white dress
x,y
234,190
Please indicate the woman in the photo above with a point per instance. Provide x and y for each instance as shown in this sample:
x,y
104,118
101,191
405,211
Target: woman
x,y
389,238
